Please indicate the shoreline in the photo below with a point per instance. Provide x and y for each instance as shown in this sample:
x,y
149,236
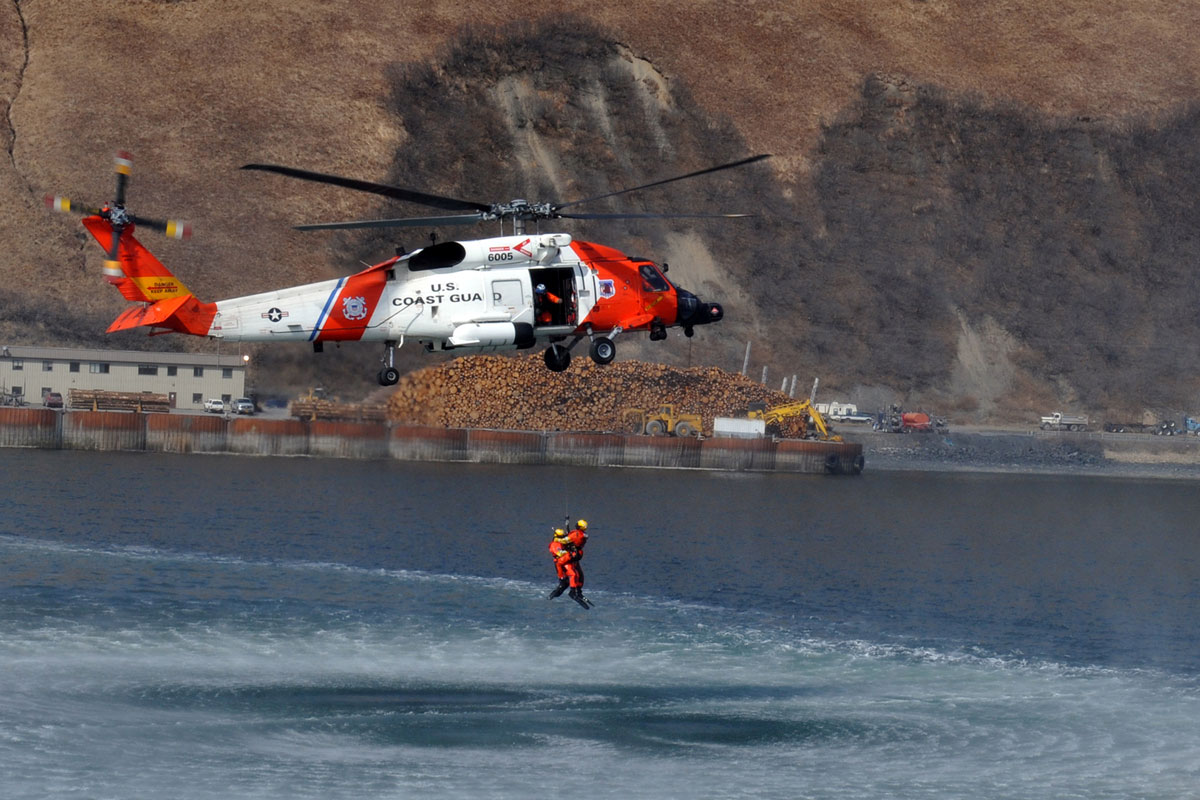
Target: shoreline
x,y
1033,452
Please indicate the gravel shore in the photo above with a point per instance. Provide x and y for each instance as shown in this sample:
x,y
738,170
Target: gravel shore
x,y
1032,451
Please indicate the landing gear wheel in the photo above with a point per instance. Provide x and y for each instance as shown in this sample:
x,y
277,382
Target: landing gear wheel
x,y
558,358
689,331
389,376
603,351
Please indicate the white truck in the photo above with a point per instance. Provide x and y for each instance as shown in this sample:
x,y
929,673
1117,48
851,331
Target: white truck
x,y
1059,421
842,412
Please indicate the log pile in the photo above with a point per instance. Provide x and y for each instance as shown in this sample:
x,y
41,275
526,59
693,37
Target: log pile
x,y
314,409
99,400
519,393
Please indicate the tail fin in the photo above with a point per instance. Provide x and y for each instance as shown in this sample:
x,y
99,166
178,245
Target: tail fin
x,y
141,277
136,273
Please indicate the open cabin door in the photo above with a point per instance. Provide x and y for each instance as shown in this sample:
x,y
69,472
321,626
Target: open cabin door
x,y
559,305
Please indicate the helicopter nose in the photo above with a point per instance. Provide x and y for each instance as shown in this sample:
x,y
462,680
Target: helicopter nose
x,y
694,311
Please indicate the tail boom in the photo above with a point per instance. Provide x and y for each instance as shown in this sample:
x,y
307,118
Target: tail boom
x,y
179,314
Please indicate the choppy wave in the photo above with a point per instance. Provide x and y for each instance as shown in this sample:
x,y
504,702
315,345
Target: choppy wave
x,y
315,679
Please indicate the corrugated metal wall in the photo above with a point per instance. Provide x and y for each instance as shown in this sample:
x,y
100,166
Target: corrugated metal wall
x,y
194,433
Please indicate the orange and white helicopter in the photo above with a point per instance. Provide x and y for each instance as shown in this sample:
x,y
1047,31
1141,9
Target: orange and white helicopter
x,y
480,295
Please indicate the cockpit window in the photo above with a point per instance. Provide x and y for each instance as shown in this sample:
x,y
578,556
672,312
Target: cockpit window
x,y
653,279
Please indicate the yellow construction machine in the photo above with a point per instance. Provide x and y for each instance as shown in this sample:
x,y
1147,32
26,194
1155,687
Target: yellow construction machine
x,y
792,419
663,420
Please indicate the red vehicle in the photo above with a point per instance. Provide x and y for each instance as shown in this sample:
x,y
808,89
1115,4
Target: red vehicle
x,y
899,421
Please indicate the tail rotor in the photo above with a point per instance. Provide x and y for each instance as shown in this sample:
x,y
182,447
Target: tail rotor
x,y
119,217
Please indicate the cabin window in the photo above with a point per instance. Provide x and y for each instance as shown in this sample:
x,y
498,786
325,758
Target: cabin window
x,y
653,279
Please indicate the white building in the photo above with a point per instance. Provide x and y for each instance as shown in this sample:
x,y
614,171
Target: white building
x,y
186,378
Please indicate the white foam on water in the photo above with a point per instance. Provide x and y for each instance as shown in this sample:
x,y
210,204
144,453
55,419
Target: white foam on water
x,y
640,697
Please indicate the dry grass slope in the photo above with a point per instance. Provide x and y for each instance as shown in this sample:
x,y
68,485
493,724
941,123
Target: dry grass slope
x,y
1035,183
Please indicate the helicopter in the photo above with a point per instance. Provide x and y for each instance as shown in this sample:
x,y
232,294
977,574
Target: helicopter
x,y
479,295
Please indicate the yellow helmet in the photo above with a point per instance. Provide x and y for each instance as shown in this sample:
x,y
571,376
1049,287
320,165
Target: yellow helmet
x,y
582,524
559,533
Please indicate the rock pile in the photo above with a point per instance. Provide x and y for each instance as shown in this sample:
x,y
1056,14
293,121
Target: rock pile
x,y
519,393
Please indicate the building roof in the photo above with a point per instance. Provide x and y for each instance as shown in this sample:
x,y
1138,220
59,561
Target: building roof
x,y
122,356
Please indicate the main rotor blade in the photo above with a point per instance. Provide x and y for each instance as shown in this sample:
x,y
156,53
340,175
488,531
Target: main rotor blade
x,y
403,222
394,192
654,216
696,174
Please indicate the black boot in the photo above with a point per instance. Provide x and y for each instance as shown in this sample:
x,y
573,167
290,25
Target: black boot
x,y
562,587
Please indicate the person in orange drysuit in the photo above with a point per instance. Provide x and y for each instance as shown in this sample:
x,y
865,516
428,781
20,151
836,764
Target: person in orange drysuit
x,y
543,299
576,539
560,551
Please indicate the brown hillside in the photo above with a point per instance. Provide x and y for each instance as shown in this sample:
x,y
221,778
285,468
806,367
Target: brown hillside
x,y
194,89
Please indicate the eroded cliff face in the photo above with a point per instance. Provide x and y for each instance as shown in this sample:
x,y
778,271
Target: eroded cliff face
x,y
971,237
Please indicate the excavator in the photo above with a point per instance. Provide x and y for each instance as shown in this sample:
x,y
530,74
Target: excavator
x,y
791,419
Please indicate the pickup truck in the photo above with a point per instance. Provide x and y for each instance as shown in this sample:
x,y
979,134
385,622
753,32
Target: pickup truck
x,y
1059,421
214,405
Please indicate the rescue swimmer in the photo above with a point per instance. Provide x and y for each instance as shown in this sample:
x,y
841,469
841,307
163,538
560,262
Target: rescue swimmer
x,y
566,550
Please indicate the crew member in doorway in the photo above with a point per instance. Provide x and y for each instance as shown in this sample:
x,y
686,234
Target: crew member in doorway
x,y
562,555
544,302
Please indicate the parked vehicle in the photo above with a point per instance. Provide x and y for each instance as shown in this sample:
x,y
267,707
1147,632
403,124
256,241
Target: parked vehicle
x,y
1167,428
53,400
1059,421
1128,427
243,405
898,420
214,405
800,420
663,420
1191,425
1164,428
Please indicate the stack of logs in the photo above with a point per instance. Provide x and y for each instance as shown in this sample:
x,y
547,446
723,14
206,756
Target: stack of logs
x,y
519,393
98,400
314,409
